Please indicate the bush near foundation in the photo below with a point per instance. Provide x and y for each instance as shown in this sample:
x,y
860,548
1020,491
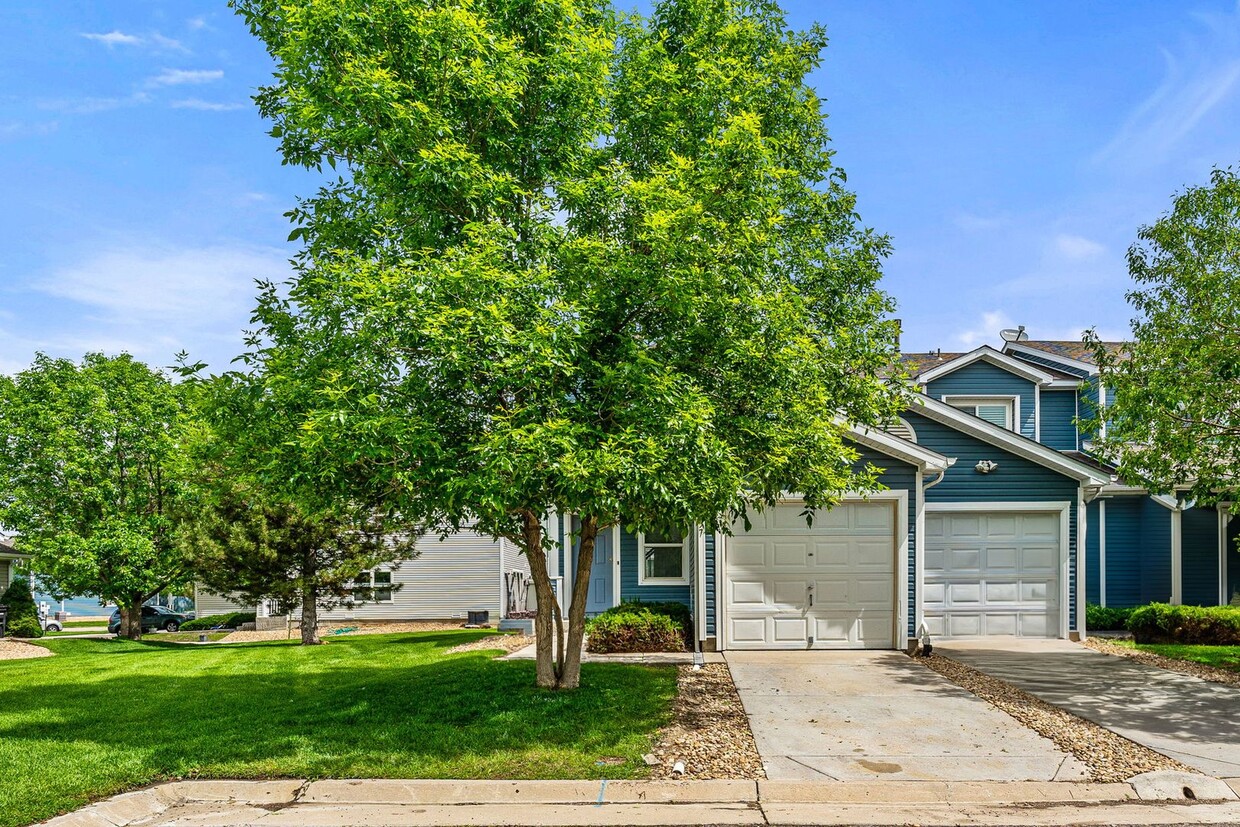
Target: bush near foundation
x,y
1200,625
232,620
640,627
1106,618
23,613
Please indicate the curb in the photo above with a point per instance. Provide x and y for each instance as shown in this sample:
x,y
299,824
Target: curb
x,y
447,802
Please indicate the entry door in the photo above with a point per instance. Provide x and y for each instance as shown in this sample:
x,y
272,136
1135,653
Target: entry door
x,y
602,575
826,586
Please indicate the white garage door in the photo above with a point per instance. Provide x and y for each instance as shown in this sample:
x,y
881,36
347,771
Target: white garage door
x,y
992,573
829,586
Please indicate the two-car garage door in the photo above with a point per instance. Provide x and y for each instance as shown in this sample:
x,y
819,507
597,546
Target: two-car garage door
x,y
826,586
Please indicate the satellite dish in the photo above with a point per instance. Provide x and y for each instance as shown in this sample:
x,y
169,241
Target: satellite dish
x,y
1017,334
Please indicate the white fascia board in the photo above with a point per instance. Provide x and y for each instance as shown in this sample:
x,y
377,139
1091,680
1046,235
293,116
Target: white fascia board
x,y
902,449
988,354
1065,384
1120,490
1067,361
1008,440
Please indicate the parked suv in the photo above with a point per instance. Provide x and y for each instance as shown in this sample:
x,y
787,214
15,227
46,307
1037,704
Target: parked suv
x,y
153,617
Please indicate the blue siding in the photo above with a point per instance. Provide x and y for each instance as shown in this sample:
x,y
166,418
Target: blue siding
x,y
1016,480
1199,556
629,588
1093,557
1124,551
1233,560
900,476
1087,397
1155,552
984,379
710,586
1059,419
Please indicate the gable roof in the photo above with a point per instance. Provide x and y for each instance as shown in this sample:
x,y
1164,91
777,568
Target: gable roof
x,y
1071,354
1009,441
901,449
9,549
929,371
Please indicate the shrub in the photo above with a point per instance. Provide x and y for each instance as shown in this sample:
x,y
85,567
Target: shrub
x,y
677,611
1105,618
1200,625
23,613
639,627
232,620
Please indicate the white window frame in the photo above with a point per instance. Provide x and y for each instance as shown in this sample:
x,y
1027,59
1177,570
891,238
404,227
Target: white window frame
x,y
686,544
974,400
373,587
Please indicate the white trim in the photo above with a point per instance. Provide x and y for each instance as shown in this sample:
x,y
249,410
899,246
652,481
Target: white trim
x,y
994,357
977,400
1065,526
566,547
683,580
1120,490
1082,561
1066,384
1067,361
503,597
1102,408
1009,441
1102,553
1177,558
919,552
699,583
1037,413
616,570
1224,517
899,499
901,449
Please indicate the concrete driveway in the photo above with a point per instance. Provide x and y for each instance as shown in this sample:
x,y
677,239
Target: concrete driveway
x,y
882,716
1183,717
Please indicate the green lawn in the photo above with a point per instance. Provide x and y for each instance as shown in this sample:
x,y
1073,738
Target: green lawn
x,y
1222,657
106,715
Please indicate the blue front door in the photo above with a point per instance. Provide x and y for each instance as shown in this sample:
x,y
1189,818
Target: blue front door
x,y
602,575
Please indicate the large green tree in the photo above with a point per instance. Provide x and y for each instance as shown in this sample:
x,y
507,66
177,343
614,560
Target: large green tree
x,y
1175,418
597,265
92,476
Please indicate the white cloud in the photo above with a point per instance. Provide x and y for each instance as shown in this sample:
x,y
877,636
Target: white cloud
x,y
91,106
171,44
985,330
1198,76
180,77
15,130
196,23
206,106
168,289
1077,248
114,38
971,222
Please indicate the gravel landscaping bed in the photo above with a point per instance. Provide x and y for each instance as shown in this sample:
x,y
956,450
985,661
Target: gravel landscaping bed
x,y
509,643
1186,667
16,650
1109,757
326,629
709,730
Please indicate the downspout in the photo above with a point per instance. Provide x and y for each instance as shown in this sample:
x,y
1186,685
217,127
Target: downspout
x,y
923,634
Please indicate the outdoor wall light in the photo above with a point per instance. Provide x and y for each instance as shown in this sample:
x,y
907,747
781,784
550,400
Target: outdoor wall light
x,y
985,466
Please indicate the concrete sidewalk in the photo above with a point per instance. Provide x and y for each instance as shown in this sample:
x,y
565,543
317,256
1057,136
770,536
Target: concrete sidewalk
x,y
881,716
1183,717
570,803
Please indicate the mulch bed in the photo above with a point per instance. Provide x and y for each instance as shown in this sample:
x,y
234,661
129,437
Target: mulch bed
x,y
1109,757
709,731
16,650
1184,667
509,643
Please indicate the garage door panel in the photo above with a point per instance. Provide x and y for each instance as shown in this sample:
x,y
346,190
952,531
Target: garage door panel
x,y
847,555
992,573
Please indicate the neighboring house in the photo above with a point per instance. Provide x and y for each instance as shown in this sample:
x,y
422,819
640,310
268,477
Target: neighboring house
x,y
9,559
447,580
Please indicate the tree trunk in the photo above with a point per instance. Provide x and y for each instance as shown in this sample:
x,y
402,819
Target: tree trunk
x,y
570,669
548,610
131,618
309,612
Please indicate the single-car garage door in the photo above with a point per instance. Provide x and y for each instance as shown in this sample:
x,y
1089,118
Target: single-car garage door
x,y
992,573
826,586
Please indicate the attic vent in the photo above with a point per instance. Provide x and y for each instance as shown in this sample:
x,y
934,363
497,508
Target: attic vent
x,y
902,429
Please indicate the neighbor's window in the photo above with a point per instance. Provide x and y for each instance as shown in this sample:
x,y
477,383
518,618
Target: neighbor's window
x,y
664,557
373,587
999,412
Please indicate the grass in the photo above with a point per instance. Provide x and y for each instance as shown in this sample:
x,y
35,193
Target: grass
x,y
1220,657
107,715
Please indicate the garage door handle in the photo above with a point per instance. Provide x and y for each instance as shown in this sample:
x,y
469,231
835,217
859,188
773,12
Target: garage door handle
x,y
810,591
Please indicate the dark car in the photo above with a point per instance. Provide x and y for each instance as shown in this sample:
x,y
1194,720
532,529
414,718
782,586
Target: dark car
x,y
153,617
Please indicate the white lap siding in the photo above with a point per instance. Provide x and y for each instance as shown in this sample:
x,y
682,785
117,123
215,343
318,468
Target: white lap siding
x,y
206,604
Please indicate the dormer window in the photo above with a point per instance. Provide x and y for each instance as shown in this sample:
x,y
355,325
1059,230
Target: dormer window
x,y
999,411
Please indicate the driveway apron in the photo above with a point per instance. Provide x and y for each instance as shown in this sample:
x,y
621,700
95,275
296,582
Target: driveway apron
x,y
1183,717
871,716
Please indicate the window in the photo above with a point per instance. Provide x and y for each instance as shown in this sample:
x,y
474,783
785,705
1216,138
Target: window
x,y
997,411
664,558
372,587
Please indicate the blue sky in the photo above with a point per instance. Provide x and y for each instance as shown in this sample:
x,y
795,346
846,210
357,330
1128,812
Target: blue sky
x,y
1010,149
